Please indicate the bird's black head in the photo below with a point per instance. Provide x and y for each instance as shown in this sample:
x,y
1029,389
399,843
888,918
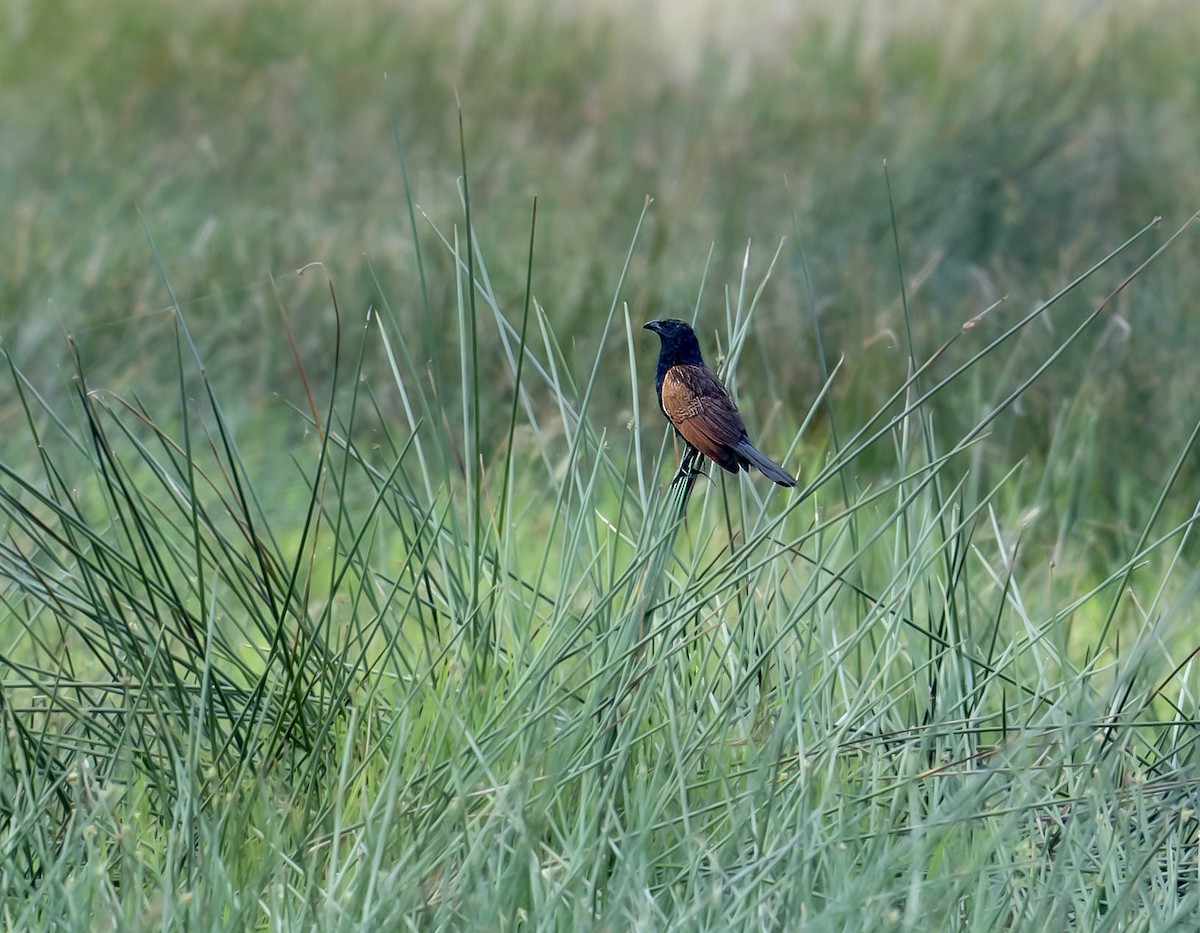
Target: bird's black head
x,y
679,343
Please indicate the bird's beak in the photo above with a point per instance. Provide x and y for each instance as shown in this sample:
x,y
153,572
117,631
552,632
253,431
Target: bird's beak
x,y
651,325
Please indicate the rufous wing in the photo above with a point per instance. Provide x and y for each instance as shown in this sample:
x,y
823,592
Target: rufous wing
x,y
703,413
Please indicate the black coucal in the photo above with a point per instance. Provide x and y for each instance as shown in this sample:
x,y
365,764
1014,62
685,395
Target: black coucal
x,y
700,408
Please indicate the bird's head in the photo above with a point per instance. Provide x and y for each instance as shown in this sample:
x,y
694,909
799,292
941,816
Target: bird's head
x,y
670,328
679,343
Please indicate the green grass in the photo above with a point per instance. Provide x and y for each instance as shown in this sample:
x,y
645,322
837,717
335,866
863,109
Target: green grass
x,y
357,597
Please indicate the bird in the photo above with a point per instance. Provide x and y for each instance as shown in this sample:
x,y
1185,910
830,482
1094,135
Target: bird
x,y
699,406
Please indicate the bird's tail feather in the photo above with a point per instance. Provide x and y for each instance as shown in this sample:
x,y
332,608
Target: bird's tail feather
x,y
769,468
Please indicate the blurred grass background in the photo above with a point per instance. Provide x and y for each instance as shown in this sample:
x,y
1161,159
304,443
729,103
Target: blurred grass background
x,y
1022,143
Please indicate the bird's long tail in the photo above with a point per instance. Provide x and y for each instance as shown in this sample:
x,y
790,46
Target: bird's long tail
x,y
770,469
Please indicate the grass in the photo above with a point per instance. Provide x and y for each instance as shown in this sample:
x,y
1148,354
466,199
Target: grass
x,y
357,597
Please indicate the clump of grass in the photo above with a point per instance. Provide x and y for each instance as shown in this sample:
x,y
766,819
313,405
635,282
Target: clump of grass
x,y
486,671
